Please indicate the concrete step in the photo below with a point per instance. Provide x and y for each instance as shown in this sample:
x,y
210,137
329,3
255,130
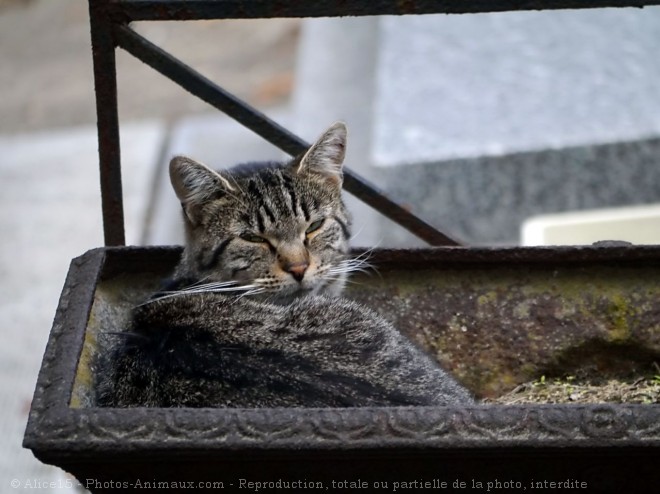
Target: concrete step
x,y
50,213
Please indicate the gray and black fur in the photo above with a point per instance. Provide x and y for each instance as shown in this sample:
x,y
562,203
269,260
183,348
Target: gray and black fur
x,y
253,316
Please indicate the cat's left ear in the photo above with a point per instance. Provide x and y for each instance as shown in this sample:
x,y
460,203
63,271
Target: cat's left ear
x,y
326,156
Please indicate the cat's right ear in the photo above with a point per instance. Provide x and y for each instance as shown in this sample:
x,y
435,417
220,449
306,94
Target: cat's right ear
x,y
325,157
196,184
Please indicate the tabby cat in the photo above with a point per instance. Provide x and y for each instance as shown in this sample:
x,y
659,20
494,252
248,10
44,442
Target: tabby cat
x,y
252,317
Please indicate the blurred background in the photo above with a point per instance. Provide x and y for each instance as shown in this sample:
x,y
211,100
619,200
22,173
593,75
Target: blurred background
x,y
499,129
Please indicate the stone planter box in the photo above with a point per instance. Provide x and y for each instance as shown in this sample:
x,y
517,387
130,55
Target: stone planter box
x,y
500,304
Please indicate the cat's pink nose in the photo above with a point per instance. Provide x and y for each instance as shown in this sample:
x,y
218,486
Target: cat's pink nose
x,y
297,270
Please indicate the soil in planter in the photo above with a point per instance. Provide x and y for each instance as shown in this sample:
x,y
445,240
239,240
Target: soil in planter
x,y
583,388
498,327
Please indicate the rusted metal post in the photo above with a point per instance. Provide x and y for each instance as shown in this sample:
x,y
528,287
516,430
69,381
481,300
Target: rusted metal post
x,y
105,84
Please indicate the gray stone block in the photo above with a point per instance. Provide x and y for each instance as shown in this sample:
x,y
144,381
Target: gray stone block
x,y
484,200
493,84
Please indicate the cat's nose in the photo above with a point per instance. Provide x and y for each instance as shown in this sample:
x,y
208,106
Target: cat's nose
x,y
297,270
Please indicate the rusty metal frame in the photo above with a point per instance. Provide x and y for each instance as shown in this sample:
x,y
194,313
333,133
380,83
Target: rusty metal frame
x,y
110,19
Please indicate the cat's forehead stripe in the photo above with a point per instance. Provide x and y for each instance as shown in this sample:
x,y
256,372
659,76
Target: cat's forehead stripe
x,y
260,223
277,200
286,180
252,188
305,210
268,212
276,193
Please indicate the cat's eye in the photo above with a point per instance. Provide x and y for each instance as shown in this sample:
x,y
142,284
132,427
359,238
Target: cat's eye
x,y
314,226
251,237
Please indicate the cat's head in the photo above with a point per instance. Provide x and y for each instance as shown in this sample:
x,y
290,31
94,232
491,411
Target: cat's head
x,y
280,228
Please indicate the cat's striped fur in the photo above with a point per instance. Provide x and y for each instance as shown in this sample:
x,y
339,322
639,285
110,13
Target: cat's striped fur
x,y
252,317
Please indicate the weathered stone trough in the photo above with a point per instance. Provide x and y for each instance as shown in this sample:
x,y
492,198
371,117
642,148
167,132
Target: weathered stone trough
x,y
494,317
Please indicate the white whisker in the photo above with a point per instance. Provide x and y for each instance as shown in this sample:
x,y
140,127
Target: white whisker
x,y
156,299
332,279
198,282
362,227
221,290
252,292
216,287
367,253
350,266
212,285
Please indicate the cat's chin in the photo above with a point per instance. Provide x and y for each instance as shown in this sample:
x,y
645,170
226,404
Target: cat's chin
x,y
293,293
289,298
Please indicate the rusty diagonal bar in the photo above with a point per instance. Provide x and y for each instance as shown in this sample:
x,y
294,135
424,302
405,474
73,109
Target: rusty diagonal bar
x,y
259,123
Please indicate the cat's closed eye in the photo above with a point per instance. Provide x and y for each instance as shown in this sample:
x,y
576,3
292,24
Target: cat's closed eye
x,y
251,237
314,226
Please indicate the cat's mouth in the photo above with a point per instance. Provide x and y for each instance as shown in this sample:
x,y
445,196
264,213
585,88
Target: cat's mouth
x,y
287,292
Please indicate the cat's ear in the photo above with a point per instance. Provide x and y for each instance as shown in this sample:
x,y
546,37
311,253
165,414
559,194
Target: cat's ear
x,y
326,156
195,184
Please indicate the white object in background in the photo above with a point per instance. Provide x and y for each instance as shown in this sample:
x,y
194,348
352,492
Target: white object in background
x,y
635,224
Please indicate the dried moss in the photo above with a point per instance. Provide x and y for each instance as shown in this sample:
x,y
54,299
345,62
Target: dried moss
x,y
574,389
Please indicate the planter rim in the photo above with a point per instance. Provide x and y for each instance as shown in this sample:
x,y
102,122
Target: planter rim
x,y
481,427
53,426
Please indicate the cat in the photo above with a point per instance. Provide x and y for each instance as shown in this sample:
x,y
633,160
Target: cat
x,y
253,315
